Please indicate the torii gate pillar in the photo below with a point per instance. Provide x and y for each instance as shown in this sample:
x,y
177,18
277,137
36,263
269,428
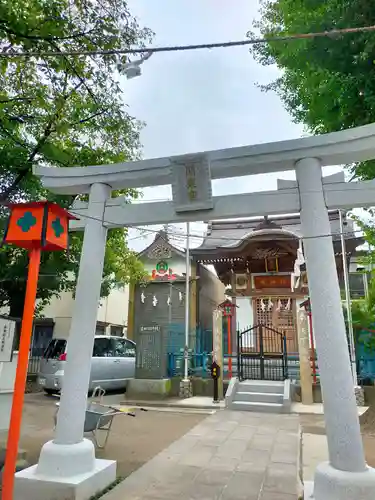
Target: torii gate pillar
x,y
346,476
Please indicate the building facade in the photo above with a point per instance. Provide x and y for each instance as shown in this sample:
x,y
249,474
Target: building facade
x,y
159,303
256,260
111,319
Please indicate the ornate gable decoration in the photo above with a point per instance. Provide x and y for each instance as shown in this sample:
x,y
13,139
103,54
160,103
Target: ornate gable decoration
x,y
267,224
267,253
159,250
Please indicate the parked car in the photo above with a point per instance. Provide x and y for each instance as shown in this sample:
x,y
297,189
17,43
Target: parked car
x,y
112,365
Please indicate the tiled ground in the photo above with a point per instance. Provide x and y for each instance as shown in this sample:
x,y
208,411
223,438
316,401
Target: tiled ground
x,y
228,456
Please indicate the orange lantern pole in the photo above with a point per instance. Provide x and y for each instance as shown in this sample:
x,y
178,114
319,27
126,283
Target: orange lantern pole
x,y
38,226
230,346
21,375
228,309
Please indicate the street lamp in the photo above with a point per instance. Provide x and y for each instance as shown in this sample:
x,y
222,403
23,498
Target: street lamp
x,y
133,68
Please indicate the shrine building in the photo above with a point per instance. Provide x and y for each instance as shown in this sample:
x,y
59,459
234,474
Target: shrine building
x,y
252,261
255,259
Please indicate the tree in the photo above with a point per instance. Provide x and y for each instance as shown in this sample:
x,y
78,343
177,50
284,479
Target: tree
x,y
61,112
326,83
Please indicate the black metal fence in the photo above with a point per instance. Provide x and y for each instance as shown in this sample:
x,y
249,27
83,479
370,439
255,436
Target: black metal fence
x,y
262,354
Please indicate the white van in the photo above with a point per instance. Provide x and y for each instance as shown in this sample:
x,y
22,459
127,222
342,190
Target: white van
x,y
112,365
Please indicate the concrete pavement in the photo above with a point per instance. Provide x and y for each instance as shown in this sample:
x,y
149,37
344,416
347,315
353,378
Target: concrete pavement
x,y
228,456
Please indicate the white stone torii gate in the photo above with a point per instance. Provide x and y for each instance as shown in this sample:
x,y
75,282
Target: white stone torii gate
x,y
69,461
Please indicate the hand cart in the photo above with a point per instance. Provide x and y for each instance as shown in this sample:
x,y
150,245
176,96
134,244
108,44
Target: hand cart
x,y
99,418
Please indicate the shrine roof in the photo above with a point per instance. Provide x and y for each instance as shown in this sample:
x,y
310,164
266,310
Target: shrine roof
x,y
231,234
161,247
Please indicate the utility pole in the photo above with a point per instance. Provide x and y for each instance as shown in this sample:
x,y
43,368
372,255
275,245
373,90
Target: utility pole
x,y
348,302
187,304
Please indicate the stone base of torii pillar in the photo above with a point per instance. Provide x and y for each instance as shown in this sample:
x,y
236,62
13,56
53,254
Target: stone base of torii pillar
x,y
333,484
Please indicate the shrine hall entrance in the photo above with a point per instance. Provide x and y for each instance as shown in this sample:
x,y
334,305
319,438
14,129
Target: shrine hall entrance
x,y
277,314
262,354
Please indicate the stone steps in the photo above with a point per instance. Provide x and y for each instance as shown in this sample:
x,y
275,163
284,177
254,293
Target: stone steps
x,y
261,396
257,407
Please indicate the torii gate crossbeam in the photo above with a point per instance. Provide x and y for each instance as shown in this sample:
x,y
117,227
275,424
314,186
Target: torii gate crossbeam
x,y
118,213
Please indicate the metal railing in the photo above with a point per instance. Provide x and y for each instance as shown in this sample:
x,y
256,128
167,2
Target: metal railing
x,y
34,365
199,364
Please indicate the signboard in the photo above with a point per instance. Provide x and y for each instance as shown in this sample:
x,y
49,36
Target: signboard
x,y
272,281
217,354
217,337
150,356
191,183
7,331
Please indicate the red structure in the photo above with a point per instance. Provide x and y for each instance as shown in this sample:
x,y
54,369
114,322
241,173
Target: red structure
x,y
307,306
228,309
37,226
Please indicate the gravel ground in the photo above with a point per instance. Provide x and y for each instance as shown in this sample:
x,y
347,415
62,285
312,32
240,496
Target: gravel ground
x,y
132,442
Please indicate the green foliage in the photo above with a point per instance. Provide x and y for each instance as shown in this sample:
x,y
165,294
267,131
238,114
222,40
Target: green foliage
x,y
363,311
327,83
62,112
363,316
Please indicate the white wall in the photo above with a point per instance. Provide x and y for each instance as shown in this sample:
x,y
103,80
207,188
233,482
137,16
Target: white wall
x,y
244,312
245,319
112,309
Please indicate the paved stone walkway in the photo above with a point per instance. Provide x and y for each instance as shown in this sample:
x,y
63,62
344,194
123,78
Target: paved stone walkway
x,y
228,456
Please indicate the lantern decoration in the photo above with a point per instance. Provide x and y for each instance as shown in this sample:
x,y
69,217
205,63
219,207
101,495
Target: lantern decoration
x,y
37,226
228,309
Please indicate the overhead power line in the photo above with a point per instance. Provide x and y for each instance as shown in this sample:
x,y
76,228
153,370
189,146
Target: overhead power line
x,y
202,237
180,48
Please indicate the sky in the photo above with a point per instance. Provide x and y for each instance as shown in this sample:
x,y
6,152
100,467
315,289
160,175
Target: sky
x,y
204,99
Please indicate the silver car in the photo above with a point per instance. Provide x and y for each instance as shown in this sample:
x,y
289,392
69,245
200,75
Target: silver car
x,y
112,365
